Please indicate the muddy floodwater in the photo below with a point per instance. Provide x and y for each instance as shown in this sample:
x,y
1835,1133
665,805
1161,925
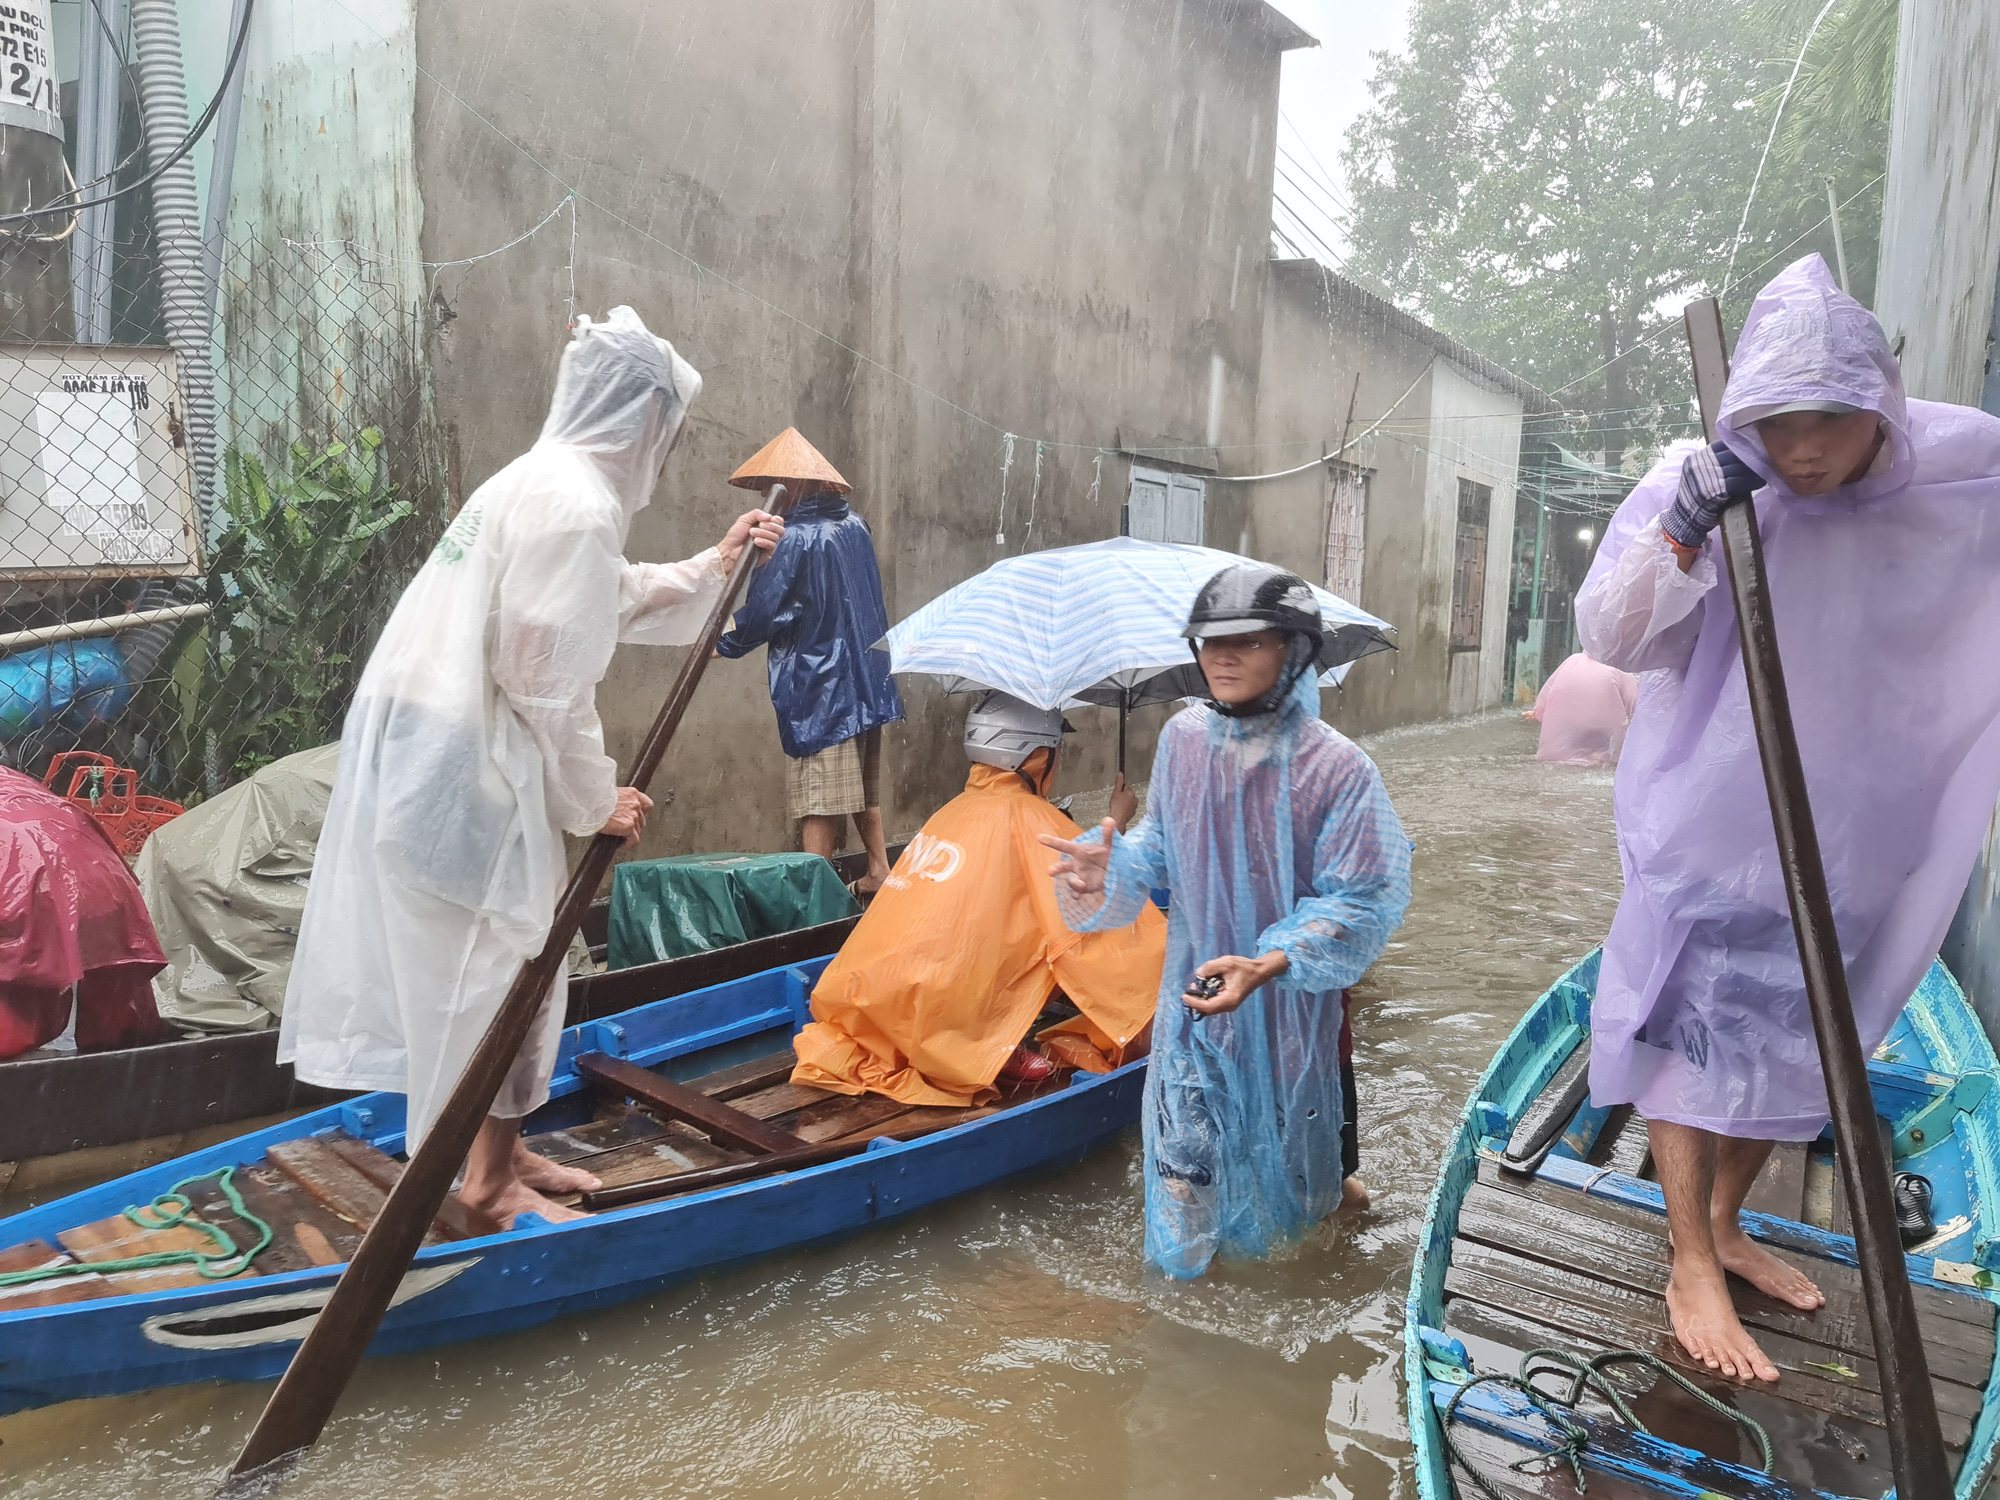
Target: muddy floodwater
x,y
1006,1344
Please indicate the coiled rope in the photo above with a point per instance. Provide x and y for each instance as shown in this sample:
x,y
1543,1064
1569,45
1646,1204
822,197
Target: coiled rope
x,y
171,1210
1558,1410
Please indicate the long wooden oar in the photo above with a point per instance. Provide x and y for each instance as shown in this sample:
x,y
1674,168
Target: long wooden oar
x,y
326,1361
1916,1447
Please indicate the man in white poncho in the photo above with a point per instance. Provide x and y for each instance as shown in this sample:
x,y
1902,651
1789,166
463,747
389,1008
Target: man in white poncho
x,y
474,743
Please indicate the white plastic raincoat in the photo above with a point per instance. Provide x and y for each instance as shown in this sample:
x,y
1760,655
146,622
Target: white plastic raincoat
x,y
474,742
1274,833
1886,594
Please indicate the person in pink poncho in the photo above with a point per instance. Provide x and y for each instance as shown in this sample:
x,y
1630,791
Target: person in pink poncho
x,y
1584,709
1880,518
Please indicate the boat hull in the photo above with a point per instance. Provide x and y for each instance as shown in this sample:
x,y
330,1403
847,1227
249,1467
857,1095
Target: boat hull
x,y
248,1330
1933,1079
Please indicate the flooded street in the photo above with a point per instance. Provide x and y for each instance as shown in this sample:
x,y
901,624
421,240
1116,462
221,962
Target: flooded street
x,y
1006,1344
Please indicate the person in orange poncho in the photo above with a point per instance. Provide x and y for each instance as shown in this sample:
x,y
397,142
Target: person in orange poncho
x,y
931,996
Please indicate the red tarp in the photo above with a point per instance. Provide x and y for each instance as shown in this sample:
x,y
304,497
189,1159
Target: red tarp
x,y
70,915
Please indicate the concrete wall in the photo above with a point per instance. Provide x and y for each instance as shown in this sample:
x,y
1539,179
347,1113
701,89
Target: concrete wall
x,y
1319,333
1935,291
907,230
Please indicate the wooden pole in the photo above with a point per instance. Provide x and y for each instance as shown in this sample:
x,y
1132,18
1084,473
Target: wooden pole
x,y
326,1361
1916,1446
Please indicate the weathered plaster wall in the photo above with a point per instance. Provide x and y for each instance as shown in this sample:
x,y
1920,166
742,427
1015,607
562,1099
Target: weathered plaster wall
x,y
1474,433
906,230
1318,334
319,322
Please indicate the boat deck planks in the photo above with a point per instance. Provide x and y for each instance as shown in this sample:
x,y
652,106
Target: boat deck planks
x,y
1843,1216
1623,1145
1840,1455
1780,1188
1635,1257
34,1255
1933,1302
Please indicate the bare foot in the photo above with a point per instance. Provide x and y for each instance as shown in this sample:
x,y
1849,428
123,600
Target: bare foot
x,y
1706,1324
550,1177
1354,1194
1763,1270
517,1198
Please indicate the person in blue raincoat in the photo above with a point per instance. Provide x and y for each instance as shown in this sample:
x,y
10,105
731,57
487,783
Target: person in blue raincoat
x,y
1289,872
817,604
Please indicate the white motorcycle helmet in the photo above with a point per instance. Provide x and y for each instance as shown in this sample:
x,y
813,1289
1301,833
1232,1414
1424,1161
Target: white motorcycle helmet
x,y
1003,731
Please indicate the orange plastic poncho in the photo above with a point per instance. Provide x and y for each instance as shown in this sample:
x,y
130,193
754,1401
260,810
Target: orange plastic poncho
x,y
957,955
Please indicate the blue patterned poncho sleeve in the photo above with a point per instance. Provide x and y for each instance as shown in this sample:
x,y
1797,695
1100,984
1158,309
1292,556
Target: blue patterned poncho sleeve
x,y
1273,833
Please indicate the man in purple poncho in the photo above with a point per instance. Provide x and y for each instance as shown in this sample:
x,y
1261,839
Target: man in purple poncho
x,y
1885,583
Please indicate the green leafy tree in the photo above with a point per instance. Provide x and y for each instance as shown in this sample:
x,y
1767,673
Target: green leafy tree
x,y
1548,180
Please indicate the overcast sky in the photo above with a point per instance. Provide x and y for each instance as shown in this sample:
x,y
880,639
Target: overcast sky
x,y
1325,87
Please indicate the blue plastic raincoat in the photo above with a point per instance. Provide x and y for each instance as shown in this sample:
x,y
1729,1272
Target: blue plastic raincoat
x,y
1273,832
818,604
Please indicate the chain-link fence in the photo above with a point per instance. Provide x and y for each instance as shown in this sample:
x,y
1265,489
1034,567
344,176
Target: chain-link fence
x,y
195,618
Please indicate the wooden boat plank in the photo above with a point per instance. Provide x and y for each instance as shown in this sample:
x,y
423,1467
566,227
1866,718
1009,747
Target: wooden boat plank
x,y
671,1153
783,1099
32,1256
455,1219
118,1238
1623,1145
1495,1456
836,1118
284,1253
333,1184
1933,1302
1780,1188
323,1237
722,1123
1610,1252
764,1072
930,1117
620,1125
1843,1214
1597,1309
1810,1447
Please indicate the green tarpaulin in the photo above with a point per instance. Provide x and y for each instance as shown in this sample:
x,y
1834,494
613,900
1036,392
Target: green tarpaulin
x,y
669,908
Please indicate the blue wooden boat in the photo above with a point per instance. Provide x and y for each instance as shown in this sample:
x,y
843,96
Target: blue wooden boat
x,y
1570,1255
318,1178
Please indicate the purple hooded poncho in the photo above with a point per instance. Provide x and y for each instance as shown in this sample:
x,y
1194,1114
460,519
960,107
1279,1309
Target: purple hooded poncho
x,y
1887,598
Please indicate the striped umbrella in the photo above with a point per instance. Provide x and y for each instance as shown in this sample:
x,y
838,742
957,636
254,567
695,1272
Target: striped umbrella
x,y
1101,623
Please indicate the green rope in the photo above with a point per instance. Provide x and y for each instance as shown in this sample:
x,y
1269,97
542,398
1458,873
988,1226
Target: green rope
x,y
171,1210
1556,1409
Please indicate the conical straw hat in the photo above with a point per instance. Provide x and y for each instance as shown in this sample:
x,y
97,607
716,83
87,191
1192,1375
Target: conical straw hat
x,y
787,459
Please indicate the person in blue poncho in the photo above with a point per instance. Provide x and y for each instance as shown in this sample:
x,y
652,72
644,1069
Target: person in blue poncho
x,y
1289,872
818,605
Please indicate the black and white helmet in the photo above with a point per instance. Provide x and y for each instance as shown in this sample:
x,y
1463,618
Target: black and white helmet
x,y
1248,597
1003,731
1245,598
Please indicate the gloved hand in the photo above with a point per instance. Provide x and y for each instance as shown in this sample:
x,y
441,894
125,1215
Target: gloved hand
x,y
1711,478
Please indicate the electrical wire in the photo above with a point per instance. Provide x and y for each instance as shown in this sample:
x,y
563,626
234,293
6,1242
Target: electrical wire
x,y
1783,100
187,144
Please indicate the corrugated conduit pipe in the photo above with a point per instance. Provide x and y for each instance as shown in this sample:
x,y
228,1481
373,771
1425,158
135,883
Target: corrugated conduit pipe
x,y
156,31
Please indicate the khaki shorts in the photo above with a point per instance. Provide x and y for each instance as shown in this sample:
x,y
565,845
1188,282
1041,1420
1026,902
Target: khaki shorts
x,y
841,779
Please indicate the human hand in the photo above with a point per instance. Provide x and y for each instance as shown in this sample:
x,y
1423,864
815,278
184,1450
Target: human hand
x,y
1124,803
756,526
1083,866
1712,479
628,816
1241,978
